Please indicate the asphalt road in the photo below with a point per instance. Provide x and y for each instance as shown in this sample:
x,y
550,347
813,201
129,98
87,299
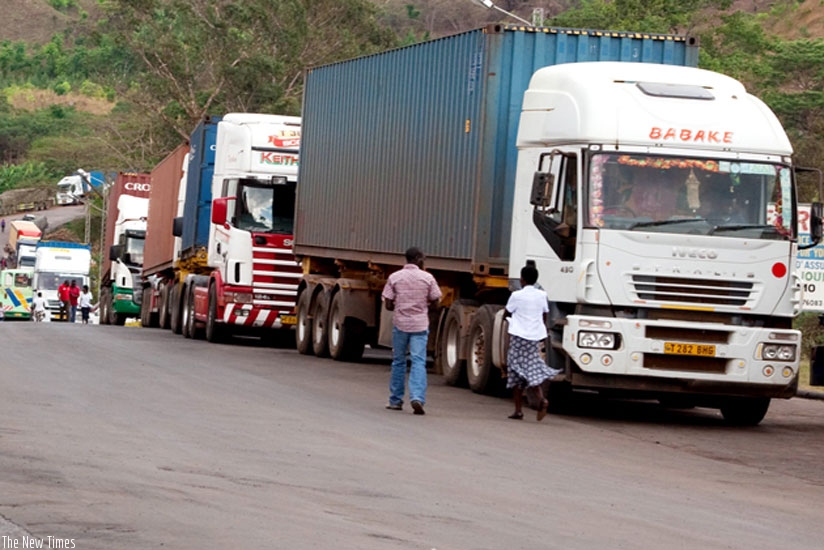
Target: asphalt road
x,y
123,438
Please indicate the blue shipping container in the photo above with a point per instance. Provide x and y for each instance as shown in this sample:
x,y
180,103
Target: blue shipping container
x,y
197,208
416,146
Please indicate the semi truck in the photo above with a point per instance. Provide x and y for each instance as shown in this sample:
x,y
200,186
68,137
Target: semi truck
x,y
59,261
125,237
71,189
23,238
30,198
233,270
604,159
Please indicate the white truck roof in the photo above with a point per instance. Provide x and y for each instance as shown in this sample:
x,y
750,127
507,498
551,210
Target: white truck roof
x,y
250,144
648,105
63,260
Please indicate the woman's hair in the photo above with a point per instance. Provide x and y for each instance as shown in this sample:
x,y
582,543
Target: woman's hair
x,y
529,274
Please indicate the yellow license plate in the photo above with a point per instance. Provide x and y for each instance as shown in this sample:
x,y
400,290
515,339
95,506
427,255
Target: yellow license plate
x,y
700,350
289,319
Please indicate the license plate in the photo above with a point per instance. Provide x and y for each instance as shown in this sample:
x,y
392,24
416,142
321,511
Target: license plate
x,y
700,350
288,319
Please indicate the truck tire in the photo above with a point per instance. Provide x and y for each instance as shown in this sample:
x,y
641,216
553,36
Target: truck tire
x,y
745,411
195,332
185,312
175,309
303,328
215,331
346,335
146,311
320,318
105,305
481,374
449,346
116,318
163,306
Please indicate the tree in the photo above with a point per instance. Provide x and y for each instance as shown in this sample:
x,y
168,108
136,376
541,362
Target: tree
x,y
213,56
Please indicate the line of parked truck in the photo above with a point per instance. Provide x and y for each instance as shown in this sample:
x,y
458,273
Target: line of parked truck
x,y
657,201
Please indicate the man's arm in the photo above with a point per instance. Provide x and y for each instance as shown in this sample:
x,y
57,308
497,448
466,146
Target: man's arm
x,y
390,304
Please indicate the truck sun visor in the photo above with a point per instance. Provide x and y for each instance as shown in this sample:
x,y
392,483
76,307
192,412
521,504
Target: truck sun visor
x,y
681,91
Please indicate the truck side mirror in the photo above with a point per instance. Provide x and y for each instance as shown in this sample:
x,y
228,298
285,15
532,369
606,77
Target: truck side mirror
x,y
115,252
816,223
220,209
177,227
542,184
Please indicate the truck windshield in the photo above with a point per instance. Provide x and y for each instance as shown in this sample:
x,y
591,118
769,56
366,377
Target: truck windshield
x,y
51,281
134,250
690,195
266,208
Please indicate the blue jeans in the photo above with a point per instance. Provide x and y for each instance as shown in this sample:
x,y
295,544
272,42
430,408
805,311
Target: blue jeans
x,y
72,314
415,342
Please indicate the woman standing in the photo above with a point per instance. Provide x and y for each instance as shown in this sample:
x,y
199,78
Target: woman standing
x,y
527,309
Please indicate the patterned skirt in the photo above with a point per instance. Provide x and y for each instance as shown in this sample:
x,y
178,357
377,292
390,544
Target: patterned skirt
x,y
525,366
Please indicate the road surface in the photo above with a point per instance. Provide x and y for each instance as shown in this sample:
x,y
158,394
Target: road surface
x,y
119,437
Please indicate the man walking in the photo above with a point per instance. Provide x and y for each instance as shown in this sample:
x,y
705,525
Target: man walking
x,y
409,293
64,295
74,294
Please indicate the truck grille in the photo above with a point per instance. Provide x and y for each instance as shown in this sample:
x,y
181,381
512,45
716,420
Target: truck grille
x,y
716,292
275,278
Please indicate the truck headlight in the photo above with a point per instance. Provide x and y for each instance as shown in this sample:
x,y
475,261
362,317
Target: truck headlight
x,y
238,297
597,340
123,297
778,352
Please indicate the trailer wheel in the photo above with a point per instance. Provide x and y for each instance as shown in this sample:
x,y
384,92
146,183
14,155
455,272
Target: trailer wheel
x,y
303,328
175,309
745,411
482,375
320,318
449,346
346,336
215,331
163,317
145,311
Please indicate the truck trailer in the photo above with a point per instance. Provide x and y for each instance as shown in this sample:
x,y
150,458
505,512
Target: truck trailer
x,y
120,280
604,159
232,269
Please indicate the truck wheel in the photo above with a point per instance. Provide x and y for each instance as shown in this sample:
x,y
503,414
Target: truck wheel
x,y
104,307
118,319
745,411
303,328
214,331
163,317
559,395
175,310
145,311
185,312
482,375
346,336
449,346
195,332
320,318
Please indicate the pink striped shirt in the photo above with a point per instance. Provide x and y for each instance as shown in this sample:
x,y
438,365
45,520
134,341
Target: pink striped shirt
x,y
411,288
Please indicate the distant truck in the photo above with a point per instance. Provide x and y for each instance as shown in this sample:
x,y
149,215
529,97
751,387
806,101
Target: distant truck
x,y
128,208
72,188
23,238
640,191
233,270
30,198
57,262
16,293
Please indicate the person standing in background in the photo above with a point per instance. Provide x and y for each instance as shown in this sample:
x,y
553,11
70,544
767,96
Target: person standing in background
x,y
85,303
64,296
409,293
74,294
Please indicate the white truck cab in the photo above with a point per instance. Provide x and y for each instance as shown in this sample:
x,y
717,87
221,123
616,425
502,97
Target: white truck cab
x,y
57,262
658,204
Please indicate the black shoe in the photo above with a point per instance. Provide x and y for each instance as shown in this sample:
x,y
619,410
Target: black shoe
x,y
392,407
417,407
